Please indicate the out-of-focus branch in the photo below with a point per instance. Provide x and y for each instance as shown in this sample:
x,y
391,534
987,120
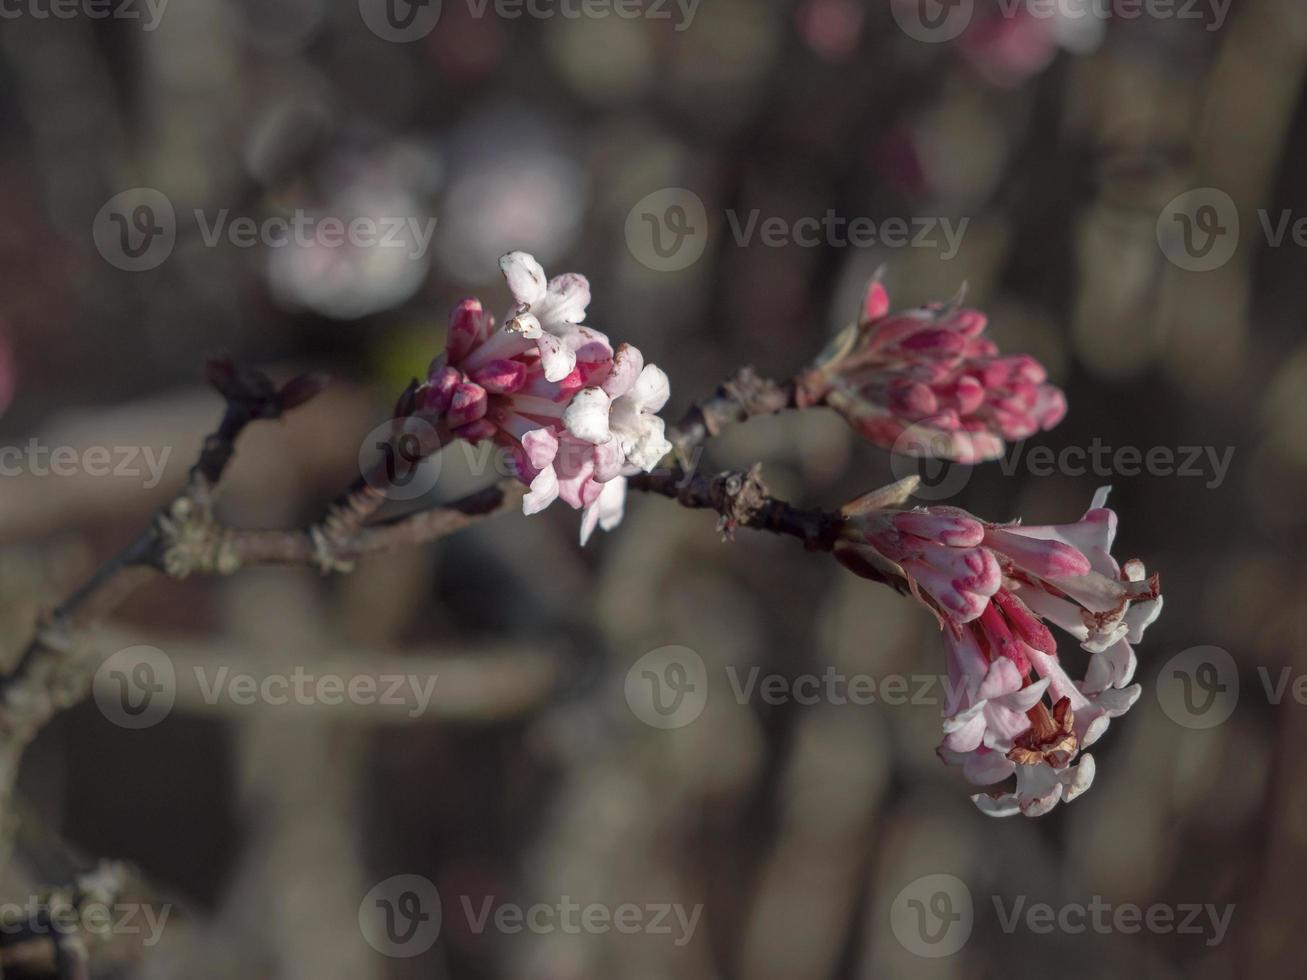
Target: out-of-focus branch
x,y
55,669
482,684
48,938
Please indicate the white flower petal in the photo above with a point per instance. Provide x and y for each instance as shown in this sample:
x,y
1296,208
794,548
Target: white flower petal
x,y
526,278
651,446
565,301
1078,778
997,806
557,359
652,389
628,363
586,416
544,491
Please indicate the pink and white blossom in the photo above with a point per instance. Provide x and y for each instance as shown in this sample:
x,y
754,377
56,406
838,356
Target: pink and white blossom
x,y
992,586
548,311
927,382
623,411
573,435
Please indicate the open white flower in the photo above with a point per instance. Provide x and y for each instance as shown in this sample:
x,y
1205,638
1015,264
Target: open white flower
x,y
624,410
548,310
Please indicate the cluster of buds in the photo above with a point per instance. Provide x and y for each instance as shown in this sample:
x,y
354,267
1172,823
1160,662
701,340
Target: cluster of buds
x,y
928,382
1016,711
575,416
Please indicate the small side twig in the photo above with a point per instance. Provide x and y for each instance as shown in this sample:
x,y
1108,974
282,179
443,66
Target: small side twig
x,y
740,398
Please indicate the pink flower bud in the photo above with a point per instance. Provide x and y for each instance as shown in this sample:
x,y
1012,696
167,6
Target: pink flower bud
x,y
905,381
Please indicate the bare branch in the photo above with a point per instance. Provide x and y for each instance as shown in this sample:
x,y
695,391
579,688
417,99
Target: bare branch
x,y
742,397
742,500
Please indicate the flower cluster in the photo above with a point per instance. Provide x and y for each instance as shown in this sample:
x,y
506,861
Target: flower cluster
x,y
927,382
993,587
576,416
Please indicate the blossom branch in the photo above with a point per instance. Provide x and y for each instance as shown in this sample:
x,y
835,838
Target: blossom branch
x,y
301,547
743,396
741,499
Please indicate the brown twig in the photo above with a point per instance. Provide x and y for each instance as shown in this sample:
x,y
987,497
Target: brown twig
x,y
55,669
738,399
742,500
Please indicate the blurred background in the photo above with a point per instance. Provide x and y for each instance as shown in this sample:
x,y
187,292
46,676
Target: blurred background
x,y
1115,182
